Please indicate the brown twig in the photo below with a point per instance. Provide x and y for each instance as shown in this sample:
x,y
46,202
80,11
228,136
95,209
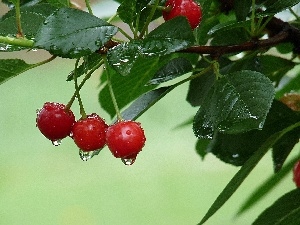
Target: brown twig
x,y
217,51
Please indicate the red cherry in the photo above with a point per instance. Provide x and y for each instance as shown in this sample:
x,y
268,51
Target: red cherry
x,y
125,139
89,133
55,121
296,174
188,8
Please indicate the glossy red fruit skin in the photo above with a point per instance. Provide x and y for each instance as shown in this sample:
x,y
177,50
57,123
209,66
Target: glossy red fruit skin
x,y
54,122
125,139
296,174
188,8
89,133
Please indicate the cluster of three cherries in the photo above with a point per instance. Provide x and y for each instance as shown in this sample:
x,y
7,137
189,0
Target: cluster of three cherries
x,y
125,139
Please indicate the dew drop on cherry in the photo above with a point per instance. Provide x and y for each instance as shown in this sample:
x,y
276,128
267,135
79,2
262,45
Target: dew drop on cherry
x,y
56,142
85,156
129,161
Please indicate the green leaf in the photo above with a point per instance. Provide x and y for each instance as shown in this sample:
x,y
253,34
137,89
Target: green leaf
x,y
201,146
89,62
236,149
274,7
242,9
237,103
202,30
245,170
272,66
32,18
10,68
171,36
59,3
200,86
128,88
73,33
144,102
221,27
275,67
173,69
135,13
232,36
286,210
282,149
290,85
127,11
268,185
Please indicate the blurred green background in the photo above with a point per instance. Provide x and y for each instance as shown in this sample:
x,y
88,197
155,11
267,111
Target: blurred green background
x,y
168,184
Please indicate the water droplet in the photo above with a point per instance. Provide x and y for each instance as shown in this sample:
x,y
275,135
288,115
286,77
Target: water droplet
x,y
235,155
56,142
129,160
85,156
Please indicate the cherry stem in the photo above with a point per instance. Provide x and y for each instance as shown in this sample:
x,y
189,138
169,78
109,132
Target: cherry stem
x,y
111,91
149,18
87,76
87,4
77,91
18,19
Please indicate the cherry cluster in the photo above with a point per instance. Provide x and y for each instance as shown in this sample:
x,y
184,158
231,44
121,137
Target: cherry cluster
x,y
125,139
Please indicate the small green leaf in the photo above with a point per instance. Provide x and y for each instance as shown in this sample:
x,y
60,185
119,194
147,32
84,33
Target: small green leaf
x,y
268,185
245,170
10,68
237,103
273,7
73,33
171,36
286,210
89,62
175,68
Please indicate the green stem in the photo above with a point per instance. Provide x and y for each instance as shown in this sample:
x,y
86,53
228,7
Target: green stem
x,y
44,62
253,27
111,91
18,19
77,91
149,19
294,14
124,33
87,3
262,27
21,42
207,69
87,76
161,8
112,17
